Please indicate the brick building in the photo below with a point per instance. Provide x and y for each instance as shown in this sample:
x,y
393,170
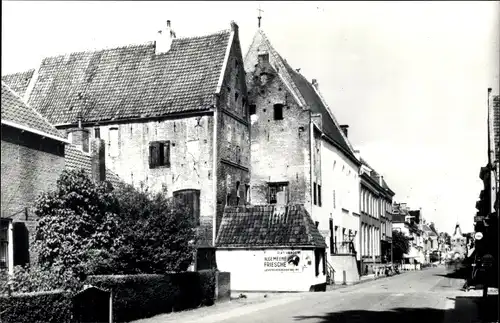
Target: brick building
x,y
173,114
300,153
32,160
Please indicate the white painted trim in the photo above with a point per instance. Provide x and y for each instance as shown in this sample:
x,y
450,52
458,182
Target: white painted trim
x,y
224,65
38,132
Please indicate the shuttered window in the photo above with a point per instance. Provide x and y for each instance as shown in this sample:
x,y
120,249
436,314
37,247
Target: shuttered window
x,y
159,154
332,241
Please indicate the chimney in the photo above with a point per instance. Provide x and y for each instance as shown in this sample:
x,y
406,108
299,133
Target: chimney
x,y
80,136
164,39
315,84
97,160
344,128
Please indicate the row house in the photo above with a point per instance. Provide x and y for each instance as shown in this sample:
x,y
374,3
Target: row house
x,y
376,218
300,154
173,114
408,222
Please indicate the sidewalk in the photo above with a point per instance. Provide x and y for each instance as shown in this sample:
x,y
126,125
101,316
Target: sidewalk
x,y
226,310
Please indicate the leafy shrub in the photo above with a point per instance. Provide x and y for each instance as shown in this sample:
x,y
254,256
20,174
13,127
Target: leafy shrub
x,y
77,223
141,296
38,279
40,307
401,245
155,233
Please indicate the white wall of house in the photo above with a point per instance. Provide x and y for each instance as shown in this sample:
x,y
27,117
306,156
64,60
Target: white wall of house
x,y
251,271
340,192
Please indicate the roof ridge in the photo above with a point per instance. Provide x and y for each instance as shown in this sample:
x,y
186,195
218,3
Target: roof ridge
x,y
19,73
132,45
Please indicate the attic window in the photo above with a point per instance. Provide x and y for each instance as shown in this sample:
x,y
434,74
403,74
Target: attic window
x,y
263,58
278,111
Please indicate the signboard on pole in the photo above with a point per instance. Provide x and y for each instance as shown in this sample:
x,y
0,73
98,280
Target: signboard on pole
x,y
478,236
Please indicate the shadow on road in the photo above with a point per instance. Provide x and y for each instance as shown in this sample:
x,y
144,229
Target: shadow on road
x,y
487,312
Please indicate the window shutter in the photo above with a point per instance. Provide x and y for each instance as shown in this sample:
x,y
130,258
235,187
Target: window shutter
x,y
166,154
151,155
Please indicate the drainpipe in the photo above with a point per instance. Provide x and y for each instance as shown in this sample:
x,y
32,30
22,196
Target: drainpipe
x,y
214,170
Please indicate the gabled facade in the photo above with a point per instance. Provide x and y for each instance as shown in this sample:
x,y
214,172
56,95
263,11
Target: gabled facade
x,y
173,114
300,153
32,160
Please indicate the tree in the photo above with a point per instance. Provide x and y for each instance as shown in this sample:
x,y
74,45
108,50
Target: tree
x,y
78,224
156,232
401,245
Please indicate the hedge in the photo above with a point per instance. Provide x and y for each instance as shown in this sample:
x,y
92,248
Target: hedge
x,y
142,296
37,307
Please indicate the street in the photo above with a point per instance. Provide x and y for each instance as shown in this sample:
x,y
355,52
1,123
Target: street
x,y
419,296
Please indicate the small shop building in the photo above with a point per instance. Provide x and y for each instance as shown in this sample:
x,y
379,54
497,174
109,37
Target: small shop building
x,y
271,248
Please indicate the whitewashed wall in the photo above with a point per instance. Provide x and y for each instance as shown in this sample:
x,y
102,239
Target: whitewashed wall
x,y
249,273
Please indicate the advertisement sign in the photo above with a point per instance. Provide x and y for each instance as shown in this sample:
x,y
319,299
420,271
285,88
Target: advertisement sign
x,y
284,261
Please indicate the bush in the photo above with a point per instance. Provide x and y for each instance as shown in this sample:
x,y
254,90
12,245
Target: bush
x,y
38,279
155,233
77,224
142,296
39,307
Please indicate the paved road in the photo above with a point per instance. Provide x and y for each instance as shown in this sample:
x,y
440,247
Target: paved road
x,y
425,296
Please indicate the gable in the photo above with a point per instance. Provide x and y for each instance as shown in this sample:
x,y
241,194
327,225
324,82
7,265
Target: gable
x,y
301,89
130,82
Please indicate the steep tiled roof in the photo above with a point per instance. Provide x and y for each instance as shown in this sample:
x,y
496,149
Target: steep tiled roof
x,y
18,81
316,105
16,113
76,159
130,82
261,226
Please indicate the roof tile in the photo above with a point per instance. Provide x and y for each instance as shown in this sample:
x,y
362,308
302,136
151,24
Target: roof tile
x,y
131,81
15,110
259,226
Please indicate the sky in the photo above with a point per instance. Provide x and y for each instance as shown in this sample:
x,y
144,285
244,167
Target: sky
x,y
409,78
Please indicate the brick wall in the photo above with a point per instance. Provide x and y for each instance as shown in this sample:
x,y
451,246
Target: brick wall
x,y
233,136
30,165
280,148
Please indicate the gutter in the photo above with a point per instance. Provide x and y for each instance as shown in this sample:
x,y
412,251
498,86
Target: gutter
x,y
37,132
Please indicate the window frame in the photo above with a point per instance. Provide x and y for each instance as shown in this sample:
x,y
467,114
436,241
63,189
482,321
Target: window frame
x,y
164,155
277,185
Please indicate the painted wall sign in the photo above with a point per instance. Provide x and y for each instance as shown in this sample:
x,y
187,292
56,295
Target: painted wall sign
x,y
283,261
